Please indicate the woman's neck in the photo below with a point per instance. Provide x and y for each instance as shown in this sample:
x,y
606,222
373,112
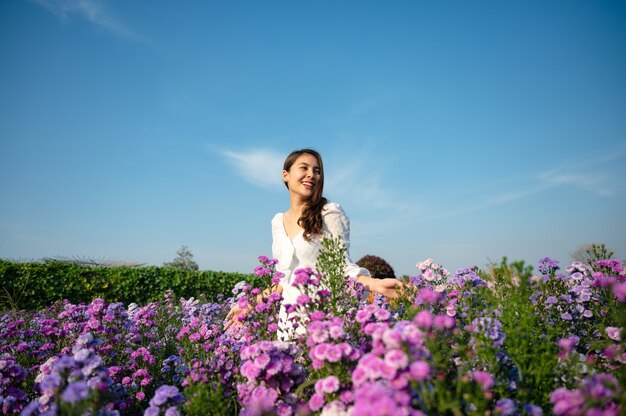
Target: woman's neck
x,y
297,206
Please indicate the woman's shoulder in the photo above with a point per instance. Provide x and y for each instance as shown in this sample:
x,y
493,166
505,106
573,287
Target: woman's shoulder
x,y
277,219
332,208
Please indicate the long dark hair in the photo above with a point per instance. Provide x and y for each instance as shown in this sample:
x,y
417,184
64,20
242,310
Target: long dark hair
x,y
311,219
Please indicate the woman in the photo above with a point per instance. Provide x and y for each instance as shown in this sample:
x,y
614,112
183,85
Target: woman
x,y
298,232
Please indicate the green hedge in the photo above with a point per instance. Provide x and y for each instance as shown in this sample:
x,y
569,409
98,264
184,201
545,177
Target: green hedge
x,y
36,285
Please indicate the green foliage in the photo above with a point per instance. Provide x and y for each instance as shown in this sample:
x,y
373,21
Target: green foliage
x,y
530,345
589,253
184,260
331,265
377,266
36,285
209,400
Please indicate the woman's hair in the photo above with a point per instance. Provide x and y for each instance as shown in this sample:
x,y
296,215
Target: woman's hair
x,y
311,219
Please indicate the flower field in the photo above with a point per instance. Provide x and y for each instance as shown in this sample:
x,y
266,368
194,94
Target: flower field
x,y
504,341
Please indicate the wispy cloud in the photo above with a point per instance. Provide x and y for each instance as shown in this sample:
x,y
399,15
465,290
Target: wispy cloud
x,y
486,202
94,11
350,182
592,175
598,184
261,168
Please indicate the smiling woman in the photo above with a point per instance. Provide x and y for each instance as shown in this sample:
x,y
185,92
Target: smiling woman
x,y
298,232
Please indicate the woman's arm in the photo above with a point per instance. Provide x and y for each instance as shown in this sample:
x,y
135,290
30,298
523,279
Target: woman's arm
x,y
386,287
233,315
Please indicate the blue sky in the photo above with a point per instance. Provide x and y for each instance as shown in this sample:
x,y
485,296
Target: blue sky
x,y
458,131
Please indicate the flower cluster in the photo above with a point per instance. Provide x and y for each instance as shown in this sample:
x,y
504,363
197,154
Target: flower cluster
x,y
433,273
166,397
12,397
484,343
271,374
69,381
597,395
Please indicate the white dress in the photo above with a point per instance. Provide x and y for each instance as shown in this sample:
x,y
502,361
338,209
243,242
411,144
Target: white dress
x,y
296,253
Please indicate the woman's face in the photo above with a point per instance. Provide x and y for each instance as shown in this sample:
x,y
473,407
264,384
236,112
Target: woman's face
x,y
303,176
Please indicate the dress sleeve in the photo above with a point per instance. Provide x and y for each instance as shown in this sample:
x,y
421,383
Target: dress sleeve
x,y
338,224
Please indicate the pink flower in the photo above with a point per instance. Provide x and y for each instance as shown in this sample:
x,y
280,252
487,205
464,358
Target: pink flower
x,y
242,303
382,314
316,402
333,354
424,319
567,402
442,322
619,290
250,371
429,296
363,316
483,379
392,338
262,360
317,316
359,376
567,344
419,370
330,384
303,299
336,332
614,333
396,359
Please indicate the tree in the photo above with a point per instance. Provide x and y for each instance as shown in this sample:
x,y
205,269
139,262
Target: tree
x,y
184,260
377,266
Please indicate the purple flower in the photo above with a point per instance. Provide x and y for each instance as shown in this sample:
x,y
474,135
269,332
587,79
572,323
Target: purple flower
x,y
505,407
172,411
548,265
551,300
151,411
75,392
533,410
163,393
566,316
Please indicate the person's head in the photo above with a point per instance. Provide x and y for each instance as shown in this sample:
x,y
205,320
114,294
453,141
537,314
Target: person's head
x,y
303,173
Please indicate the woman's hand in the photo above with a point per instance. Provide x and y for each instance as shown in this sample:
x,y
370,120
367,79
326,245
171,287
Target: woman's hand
x,y
387,287
232,319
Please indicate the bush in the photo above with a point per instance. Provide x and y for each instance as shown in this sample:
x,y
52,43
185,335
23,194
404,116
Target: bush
x,y
37,285
377,266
